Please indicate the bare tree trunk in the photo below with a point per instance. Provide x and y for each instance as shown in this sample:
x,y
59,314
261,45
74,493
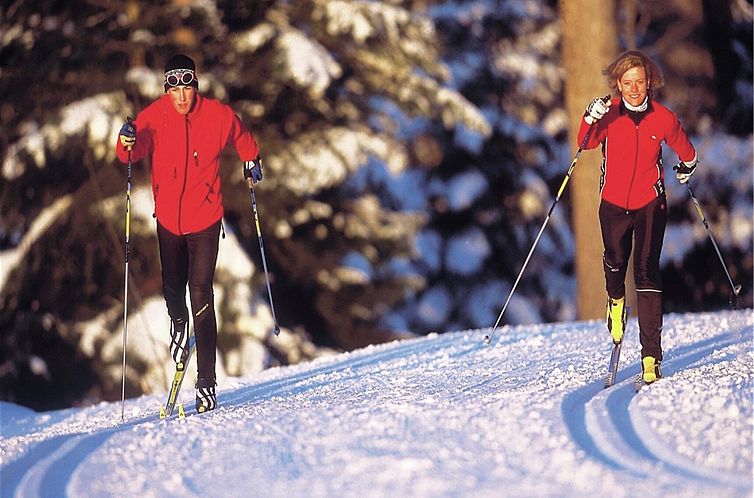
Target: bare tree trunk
x,y
629,10
590,43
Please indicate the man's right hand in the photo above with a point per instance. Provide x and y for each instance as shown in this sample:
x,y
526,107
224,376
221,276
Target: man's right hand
x,y
127,135
596,109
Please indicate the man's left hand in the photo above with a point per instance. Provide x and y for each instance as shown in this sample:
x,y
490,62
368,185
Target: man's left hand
x,y
253,169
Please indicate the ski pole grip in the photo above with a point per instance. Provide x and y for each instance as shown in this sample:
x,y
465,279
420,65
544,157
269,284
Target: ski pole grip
x,y
604,99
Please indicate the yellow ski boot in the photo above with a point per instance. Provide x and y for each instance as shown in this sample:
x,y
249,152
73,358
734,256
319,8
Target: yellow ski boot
x,y
650,369
616,318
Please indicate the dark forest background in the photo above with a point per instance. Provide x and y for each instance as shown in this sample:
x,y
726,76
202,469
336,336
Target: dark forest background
x,y
412,149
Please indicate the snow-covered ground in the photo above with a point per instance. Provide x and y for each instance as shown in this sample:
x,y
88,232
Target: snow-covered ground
x,y
442,415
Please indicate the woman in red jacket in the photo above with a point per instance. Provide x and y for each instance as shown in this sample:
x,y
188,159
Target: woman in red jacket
x,y
184,133
631,128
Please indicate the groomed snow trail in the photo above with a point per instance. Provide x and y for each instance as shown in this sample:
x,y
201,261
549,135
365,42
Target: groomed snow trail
x,y
443,415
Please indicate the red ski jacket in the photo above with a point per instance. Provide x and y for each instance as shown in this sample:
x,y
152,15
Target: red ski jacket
x,y
185,154
632,173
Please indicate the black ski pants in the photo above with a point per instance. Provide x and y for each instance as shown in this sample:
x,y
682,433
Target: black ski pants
x,y
646,226
190,260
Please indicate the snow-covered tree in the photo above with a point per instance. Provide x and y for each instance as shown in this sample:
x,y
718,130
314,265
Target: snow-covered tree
x,y
411,149
486,199
319,83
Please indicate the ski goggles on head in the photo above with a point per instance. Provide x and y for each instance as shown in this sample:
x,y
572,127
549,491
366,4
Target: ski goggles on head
x,y
178,77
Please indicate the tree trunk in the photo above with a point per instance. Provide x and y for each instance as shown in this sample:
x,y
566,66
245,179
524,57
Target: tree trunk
x,y
590,43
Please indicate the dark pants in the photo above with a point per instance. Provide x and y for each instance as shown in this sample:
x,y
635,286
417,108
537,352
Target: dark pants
x,y
190,259
647,228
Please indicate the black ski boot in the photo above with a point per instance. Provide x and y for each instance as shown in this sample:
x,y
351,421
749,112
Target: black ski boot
x,y
206,400
179,336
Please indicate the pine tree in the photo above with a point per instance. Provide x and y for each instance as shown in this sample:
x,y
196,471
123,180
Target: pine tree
x,y
320,84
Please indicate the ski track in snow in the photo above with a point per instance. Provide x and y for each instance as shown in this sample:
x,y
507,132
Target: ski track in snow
x,y
605,424
442,415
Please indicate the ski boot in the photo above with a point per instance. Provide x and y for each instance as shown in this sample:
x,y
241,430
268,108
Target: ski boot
x,y
650,369
179,336
616,318
206,400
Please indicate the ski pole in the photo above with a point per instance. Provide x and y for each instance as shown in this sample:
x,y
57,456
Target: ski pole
x,y
488,337
125,288
736,288
250,182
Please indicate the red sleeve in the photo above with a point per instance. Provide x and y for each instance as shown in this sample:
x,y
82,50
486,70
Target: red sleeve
x,y
596,136
678,140
599,129
143,142
243,140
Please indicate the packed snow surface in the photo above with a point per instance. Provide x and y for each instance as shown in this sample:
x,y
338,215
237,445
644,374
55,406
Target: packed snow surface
x,y
442,415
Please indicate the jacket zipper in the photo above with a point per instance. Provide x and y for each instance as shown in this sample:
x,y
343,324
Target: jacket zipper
x,y
633,173
185,175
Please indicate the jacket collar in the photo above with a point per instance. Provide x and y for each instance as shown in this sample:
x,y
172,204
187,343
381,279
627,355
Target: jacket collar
x,y
625,111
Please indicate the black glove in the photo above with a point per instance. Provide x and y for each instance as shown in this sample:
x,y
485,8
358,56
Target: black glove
x,y
253,169
127,135
684,170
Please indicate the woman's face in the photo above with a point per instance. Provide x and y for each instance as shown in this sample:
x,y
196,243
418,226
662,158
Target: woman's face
x,y
633,86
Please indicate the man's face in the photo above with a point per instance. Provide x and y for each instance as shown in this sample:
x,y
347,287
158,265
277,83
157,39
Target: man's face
x,y
633,86
182,98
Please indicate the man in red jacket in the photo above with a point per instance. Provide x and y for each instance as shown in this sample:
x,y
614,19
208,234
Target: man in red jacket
x,y
184,134
631,128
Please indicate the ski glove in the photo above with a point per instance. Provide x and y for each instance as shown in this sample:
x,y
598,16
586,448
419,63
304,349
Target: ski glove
x,y
128,135
684,169
253,169
596,109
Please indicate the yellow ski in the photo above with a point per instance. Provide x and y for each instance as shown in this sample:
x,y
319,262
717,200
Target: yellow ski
x,y
175,386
